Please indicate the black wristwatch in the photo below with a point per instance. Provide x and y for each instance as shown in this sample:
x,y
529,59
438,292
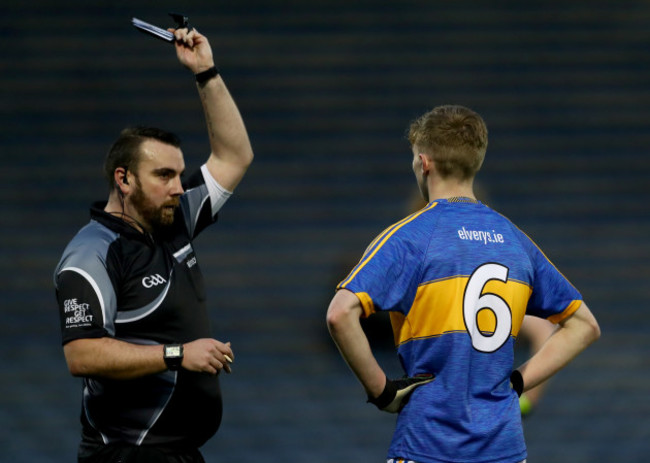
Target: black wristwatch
x,y
173,355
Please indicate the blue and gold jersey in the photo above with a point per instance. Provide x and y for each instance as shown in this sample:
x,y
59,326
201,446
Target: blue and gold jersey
x,y
458,278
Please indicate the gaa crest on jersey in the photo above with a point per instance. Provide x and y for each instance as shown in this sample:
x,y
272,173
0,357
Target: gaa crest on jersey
x,y
153,280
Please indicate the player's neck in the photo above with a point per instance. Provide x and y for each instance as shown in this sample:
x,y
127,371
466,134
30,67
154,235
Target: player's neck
x,y
450,188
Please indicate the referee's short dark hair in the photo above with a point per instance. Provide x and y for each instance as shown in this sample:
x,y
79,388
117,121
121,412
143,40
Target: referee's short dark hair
x,y
125,151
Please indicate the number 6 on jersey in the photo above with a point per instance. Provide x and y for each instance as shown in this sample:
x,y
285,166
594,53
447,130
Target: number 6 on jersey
x,y
474,301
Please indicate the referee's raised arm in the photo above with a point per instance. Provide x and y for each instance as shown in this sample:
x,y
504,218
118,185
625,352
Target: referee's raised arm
x,y
231,149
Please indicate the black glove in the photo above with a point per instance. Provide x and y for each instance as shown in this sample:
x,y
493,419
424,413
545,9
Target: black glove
x,y
517,382
396,393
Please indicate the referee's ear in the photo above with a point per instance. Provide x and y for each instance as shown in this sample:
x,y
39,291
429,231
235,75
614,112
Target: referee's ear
x,y
122,180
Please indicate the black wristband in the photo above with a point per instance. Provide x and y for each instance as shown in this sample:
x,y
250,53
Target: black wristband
x,y
517,382
206,75
386,396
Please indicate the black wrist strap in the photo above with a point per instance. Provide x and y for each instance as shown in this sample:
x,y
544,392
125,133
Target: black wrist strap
x,y
517,382
206,75
386,396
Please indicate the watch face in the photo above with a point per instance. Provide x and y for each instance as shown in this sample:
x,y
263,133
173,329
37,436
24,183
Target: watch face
x,y
173,351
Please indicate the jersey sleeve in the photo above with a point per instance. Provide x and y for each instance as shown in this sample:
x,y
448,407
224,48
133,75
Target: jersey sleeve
x,y
553,296
387,276
202,200
84,290
80,308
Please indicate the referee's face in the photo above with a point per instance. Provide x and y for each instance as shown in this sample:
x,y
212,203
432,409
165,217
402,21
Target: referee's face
x,y
157,190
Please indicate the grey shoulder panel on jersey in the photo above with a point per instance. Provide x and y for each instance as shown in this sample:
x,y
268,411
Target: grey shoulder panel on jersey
x,y
193,202
87,254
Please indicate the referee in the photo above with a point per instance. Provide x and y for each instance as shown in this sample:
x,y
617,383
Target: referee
x,y
130,291
457,279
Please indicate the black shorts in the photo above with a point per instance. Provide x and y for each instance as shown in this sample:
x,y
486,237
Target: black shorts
x,y
126,453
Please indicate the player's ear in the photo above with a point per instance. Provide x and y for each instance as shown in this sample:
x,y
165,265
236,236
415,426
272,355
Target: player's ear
x,y
425,162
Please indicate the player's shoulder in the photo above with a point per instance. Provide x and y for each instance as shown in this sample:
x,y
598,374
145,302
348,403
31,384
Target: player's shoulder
x,y
412,222
516,230
500,218
520,239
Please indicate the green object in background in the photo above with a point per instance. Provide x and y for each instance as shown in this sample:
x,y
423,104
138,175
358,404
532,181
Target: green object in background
x,y
525,405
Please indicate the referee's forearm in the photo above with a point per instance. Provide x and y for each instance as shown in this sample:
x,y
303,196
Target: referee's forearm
x,y
110,358
231,151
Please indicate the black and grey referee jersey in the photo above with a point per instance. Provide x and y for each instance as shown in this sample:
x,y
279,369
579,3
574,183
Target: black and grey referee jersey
x,y
114,281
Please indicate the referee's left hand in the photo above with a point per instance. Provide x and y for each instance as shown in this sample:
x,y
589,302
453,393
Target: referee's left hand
x,y
207,356
193,50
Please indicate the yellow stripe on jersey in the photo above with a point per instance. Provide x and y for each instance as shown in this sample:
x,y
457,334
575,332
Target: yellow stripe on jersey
x,y
366,304
438,308
381,240
570,310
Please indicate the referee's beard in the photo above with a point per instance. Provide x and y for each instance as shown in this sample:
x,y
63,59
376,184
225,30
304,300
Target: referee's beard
x,y
156,217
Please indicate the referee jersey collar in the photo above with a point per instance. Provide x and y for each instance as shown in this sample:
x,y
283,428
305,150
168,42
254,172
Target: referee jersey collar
x,y
116,224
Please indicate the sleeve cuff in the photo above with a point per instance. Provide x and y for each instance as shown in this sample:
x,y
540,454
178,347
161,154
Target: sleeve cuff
x,y
366,304
566,313
218,194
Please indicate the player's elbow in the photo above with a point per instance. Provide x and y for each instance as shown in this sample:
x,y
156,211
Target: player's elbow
x,y
593,330
590,326
335,317
343,311
338,317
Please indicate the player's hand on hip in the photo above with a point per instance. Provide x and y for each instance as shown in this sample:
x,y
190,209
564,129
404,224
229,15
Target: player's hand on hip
x,y
193,50
397,392
208,356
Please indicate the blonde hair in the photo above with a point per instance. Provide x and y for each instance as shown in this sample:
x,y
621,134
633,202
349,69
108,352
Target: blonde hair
x,y
454,137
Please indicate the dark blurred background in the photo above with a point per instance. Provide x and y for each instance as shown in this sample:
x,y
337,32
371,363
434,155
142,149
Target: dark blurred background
x,y
327,89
